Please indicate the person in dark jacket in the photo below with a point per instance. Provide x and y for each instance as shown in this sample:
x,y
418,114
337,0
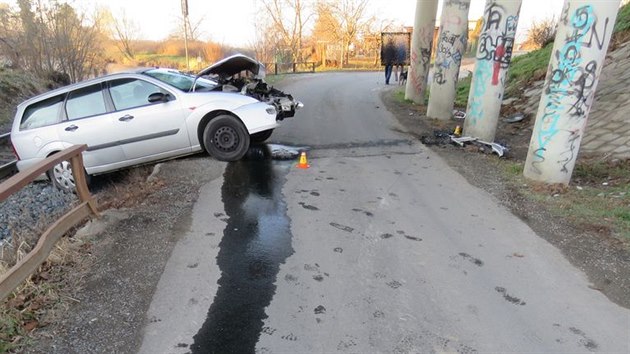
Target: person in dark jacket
x,y
388,58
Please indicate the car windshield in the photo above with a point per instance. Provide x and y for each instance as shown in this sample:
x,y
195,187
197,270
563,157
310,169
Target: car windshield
x,y
181,81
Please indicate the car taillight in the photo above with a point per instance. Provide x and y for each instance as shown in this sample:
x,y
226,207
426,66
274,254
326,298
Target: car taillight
x,y
17,157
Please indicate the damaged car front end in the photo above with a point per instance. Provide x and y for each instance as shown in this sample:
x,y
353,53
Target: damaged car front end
x,y
240,73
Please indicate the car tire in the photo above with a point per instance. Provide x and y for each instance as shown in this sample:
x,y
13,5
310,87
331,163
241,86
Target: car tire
x,y
261,136
62,178
226,138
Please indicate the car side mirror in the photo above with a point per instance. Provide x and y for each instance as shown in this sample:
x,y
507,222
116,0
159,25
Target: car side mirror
x,y
158,97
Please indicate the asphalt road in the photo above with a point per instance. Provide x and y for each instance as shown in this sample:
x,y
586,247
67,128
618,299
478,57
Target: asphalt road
x,y
378,247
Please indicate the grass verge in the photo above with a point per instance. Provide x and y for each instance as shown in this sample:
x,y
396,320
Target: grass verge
x,y
598,199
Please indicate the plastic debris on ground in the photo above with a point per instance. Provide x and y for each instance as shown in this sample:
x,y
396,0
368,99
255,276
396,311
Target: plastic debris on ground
x,y
459,114
514,118
441,137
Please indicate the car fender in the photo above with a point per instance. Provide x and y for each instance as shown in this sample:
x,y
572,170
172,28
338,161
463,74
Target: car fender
x,y
42,153
254,116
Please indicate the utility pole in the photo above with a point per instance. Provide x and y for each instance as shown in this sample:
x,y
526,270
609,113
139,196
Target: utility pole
x,y
452,40
185,14
584,32
494,53
421,43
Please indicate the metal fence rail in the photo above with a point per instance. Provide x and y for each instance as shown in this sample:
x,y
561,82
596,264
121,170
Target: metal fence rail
x,y
298,67
7,168
29,264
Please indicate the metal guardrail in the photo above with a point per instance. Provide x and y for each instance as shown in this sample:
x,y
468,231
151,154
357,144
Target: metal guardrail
x,y
29,264
9,168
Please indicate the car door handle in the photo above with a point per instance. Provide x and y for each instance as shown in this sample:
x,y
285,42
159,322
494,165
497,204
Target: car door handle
x,y
125,118
71,128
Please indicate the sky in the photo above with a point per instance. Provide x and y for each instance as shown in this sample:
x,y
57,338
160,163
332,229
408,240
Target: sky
x,y
232,22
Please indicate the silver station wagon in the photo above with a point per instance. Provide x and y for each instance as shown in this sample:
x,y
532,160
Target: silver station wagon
x,y
148,115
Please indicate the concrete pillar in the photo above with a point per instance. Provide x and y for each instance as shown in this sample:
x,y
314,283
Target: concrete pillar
x,y
494,53
584,32
421,43
451,46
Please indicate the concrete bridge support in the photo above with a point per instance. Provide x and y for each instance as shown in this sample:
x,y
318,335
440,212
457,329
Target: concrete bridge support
x,y
584,32
451,46
421,43
494,53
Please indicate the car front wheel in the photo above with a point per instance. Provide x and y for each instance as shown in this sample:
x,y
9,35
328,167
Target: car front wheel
x,y
225,138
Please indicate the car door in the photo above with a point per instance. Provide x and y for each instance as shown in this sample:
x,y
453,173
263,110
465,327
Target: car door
x,y
87,120
148,130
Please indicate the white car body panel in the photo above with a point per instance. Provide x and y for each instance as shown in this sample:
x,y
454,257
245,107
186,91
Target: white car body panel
x,y
155,131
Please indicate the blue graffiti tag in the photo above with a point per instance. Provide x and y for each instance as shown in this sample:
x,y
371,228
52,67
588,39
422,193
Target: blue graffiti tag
x,y
561,79
481,79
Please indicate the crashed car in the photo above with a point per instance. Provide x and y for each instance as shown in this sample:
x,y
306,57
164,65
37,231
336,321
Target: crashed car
x,y
227,73
148,115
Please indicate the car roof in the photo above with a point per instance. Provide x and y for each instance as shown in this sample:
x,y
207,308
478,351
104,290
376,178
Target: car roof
x,y
133,73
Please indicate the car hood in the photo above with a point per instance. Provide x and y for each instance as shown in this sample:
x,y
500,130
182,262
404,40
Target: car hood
x,y
233,65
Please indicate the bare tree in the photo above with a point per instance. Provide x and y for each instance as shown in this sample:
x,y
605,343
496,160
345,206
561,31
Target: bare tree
x,y
287,22
9,36
349,18
193,28
53,37
125,32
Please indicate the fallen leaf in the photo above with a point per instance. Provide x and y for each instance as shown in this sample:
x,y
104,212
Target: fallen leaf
x,y
29,326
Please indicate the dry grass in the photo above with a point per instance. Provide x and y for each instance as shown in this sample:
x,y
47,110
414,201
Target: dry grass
x,y
47,294
42,297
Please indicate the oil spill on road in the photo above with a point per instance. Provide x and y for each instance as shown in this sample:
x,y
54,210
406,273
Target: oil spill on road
x,y
256,241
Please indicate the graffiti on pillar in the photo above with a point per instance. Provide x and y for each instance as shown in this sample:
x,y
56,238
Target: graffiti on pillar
x,y
449,53
497,40
421,59
460,4
481,77
494,53
570,85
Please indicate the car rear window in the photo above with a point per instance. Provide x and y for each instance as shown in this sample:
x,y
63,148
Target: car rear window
x,y
42,113
85,102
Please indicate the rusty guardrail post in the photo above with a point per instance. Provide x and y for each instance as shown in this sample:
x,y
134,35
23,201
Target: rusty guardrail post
x,y
29,264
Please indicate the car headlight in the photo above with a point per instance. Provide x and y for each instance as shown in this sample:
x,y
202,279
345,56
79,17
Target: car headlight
x,y
271,110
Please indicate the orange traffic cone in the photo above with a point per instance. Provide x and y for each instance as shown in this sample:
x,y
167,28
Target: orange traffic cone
x,y
303,162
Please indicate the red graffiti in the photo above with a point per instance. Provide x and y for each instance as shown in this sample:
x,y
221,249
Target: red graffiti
x,y
498,58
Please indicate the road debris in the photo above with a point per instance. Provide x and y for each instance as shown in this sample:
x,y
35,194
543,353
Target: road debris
x,y
514,118
443,138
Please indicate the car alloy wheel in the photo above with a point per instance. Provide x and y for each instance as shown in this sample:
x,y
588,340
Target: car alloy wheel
x,y
61,176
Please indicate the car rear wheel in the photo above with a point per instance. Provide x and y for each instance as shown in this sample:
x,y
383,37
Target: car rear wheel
x,y
225,138
261,136
62,178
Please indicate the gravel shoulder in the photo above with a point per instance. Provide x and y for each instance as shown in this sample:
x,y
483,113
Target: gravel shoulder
x,y
604,259
129,249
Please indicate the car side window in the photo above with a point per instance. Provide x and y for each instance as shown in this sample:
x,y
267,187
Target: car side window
x,y
42,113
131,93
85,102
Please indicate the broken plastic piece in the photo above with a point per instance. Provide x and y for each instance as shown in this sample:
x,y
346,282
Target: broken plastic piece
x,y
517,117
463,140
496,148
459,114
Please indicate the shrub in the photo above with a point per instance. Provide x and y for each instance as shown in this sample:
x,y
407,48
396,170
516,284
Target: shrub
x,y
542,32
